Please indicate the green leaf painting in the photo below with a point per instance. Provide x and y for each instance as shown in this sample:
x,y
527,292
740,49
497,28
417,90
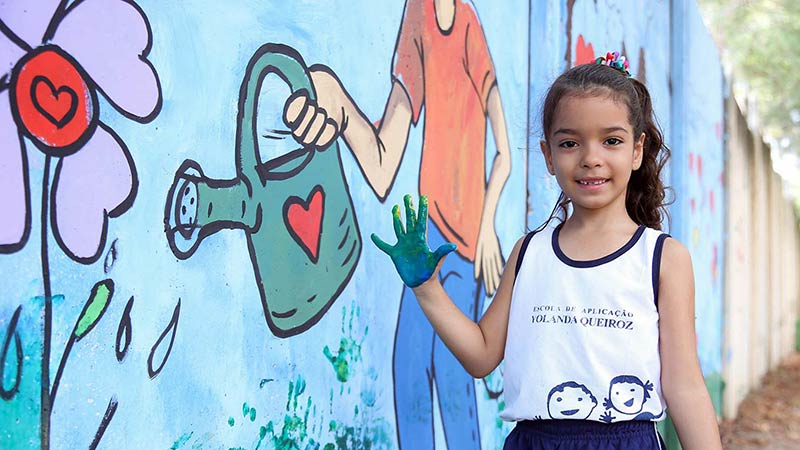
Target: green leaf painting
x,y
95,307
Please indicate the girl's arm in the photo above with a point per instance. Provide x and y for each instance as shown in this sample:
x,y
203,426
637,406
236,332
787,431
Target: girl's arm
x,y
682,381
478,346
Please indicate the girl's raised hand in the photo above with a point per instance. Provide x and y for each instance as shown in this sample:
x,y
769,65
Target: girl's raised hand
x,y
413,259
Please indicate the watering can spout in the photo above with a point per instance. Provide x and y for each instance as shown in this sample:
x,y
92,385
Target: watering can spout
x,y
198,207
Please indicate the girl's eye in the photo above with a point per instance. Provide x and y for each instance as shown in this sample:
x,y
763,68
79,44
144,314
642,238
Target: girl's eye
x,y
613,141
568,144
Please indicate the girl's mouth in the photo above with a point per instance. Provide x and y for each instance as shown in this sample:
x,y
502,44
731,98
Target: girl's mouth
x,y
592,183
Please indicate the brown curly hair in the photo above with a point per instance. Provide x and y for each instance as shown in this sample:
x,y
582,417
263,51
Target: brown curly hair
x,y
645,199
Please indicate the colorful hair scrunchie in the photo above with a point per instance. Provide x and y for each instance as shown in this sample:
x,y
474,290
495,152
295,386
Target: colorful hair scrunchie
x,y
616,61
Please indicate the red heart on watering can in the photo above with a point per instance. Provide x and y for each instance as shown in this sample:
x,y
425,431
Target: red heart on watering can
x,y
303,219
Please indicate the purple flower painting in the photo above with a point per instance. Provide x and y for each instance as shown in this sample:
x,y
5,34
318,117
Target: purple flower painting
x,y
55,57
57,60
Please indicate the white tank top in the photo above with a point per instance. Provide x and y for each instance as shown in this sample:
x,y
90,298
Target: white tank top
x,y
582,337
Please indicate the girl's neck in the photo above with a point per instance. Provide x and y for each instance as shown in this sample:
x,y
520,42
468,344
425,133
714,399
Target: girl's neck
x,y
599,220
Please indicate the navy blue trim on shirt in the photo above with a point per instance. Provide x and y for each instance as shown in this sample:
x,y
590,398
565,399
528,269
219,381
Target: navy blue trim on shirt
x,y
522,252
657,264
595,262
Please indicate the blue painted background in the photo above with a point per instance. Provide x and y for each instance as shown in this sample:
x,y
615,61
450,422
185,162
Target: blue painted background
x,y
228,381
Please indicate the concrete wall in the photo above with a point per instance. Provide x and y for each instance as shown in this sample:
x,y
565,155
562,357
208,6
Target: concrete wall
x,y
740,303
761,283
261,315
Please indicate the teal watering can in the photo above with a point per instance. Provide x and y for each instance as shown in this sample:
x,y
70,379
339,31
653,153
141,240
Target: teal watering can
x,y
295,209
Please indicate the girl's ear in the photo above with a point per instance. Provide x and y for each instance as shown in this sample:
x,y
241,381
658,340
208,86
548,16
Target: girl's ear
x,y
638,152
548,157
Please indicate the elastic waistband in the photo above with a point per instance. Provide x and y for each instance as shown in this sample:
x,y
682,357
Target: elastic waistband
x,y
577,428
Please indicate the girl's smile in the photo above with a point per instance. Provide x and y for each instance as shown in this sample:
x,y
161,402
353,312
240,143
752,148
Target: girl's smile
x,y
592,183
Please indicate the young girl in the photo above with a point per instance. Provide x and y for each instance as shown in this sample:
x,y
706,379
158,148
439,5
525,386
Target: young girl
x,y
594,314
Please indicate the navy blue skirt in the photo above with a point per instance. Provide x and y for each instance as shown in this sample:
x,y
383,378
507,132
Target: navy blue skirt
x,y
583,435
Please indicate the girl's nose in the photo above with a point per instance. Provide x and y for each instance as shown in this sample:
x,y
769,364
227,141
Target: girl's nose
x,y
591,157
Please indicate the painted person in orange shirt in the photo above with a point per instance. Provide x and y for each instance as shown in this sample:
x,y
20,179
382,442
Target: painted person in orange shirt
x,y
442,63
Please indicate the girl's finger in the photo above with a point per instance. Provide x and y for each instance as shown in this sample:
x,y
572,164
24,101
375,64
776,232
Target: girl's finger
x,y
383,246
398,226
422,218
411,216
443,250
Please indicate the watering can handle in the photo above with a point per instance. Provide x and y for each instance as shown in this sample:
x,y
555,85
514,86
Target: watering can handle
x,y
283,61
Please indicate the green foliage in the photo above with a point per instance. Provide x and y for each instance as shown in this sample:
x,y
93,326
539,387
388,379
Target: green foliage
x,y
761,41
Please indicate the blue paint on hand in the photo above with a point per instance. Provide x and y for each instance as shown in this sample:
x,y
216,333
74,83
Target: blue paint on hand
x,y
413,259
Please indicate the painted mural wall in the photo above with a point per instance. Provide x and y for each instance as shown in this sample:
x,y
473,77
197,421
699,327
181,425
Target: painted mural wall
x,y
188,191
698,214
189,188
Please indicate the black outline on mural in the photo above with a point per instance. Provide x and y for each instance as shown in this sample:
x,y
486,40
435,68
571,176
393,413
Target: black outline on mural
x,y
111,409
116,212
171,326
26,231
19,42
125,326
111,256
8,394
61,13
46,399
306,205
13,37
265,170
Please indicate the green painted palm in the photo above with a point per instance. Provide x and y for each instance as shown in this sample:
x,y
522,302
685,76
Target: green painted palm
x,y
414,260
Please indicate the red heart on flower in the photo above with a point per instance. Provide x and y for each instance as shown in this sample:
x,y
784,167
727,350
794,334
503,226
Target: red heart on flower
x,y
57,105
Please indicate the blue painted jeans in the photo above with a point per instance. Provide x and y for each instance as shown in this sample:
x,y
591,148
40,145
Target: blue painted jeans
x,y
421,359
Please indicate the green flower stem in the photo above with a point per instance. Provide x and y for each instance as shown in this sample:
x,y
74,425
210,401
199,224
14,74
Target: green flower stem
x,y
45,399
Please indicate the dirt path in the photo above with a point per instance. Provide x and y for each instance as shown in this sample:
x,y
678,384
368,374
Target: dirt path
x,y
769,418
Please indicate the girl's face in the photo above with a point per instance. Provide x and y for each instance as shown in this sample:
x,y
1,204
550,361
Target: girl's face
x,y
592,151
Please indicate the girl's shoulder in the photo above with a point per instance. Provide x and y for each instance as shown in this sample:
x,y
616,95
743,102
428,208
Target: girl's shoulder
x,y
674,252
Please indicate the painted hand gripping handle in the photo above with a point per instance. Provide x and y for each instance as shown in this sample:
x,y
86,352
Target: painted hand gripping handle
x,y
413,259
295,209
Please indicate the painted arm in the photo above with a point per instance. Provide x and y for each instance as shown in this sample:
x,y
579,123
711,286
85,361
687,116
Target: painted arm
x,y
488,257
682,380
479,347
378,150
